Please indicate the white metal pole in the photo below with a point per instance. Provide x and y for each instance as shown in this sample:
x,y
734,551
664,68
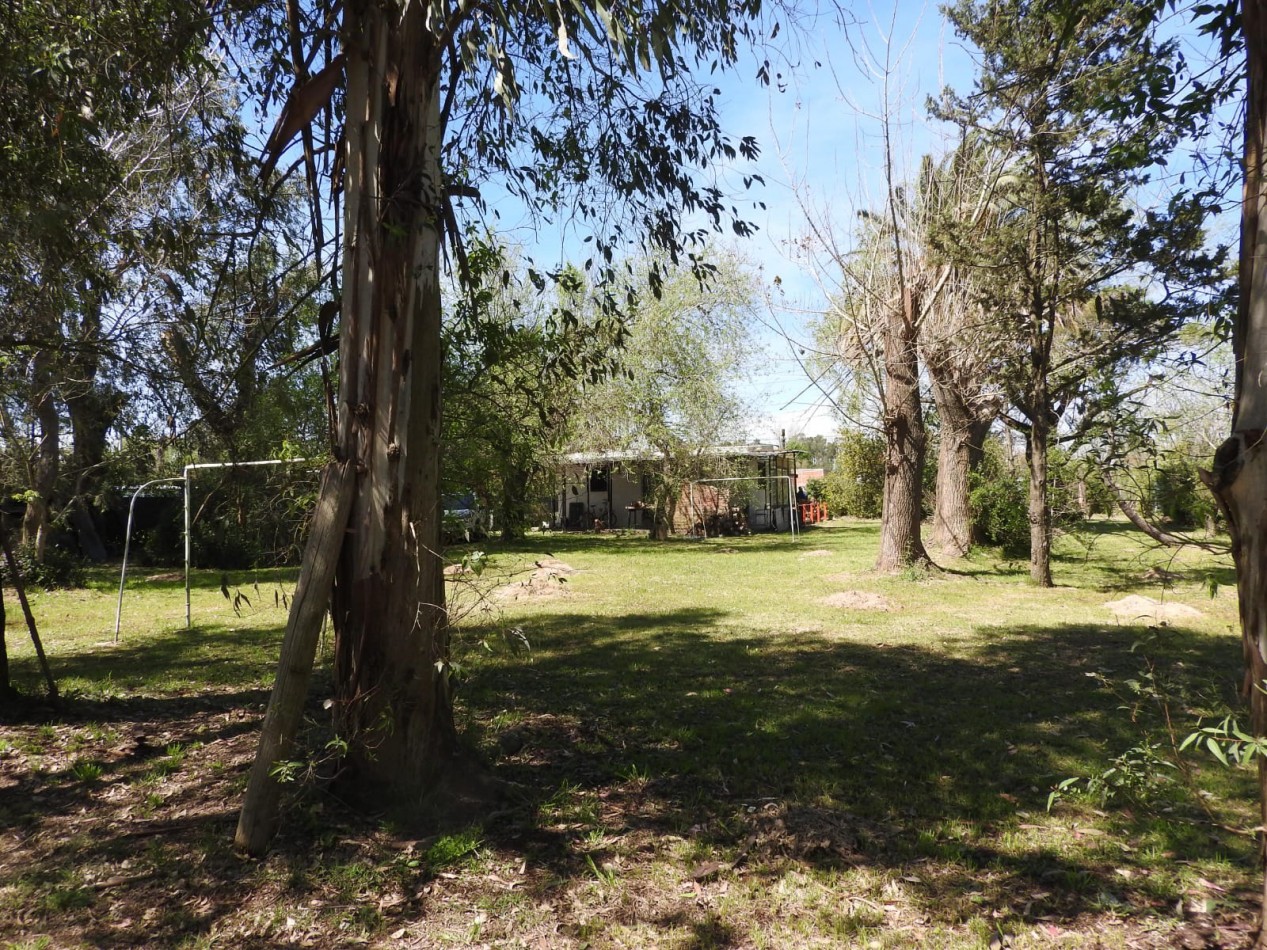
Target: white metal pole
x,y
791,502
127,543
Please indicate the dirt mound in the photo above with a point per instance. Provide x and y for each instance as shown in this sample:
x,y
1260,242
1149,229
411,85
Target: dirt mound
x,y
818,553
857,600
1137,609
547,581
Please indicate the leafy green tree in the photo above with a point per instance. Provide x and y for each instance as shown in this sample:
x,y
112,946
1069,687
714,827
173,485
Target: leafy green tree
x,y
998,502
1061,257
76,77
674,394
515,359
126,165
856,483
820,451
604,124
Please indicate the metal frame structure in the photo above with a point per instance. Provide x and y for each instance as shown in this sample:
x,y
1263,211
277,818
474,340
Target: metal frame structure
x,y
791,515
185,478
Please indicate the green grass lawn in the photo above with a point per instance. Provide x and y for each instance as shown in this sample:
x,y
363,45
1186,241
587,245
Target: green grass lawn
x,y
748,742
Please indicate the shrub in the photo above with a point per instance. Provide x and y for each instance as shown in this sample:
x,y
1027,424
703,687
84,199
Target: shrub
x,y
1178,494
61,569
999,500
816,488
1000,512
855,485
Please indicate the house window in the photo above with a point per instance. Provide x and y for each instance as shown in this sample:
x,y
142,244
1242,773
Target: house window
x,y
598,479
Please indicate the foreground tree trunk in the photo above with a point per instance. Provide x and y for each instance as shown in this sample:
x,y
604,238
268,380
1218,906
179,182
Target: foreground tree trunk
x,y
392,699
1239,476
905,439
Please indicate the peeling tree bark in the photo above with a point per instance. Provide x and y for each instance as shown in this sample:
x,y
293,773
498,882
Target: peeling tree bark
x,y
1239,476
392,700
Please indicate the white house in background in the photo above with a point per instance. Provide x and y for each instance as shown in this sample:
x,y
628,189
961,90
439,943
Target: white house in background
x,y
755,489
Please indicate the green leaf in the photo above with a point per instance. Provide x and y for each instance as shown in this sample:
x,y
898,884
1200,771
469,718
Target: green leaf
x,y
1216,750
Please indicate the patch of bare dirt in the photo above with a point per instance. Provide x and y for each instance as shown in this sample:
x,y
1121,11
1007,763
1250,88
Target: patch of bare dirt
x,y
548,580
1138,609
819,552
165,577
857,600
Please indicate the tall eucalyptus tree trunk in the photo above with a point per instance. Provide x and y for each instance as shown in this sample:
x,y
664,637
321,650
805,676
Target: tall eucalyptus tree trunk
x,y
392,699
1239,476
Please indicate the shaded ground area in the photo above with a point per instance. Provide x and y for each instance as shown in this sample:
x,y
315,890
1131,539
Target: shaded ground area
x,y
674,779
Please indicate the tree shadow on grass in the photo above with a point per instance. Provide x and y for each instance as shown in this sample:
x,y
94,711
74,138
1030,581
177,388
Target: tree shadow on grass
x,y
834,754
754,752
138,789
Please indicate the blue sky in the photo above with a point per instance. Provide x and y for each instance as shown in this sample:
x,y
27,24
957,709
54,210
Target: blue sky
x,y
817,126
822,160
820,129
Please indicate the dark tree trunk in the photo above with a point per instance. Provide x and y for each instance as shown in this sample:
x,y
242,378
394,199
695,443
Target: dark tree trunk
x,y
92,409
6,682
904,436
392,697
1036,445
47,456
959,454
92,413
514,503
664,502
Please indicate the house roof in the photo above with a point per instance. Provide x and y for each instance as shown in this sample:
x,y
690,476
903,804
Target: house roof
x,y
742,450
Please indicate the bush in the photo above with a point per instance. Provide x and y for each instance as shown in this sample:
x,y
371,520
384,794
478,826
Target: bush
x,y
855,485
60,569
1179,495
1000,511
816,488
999,498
